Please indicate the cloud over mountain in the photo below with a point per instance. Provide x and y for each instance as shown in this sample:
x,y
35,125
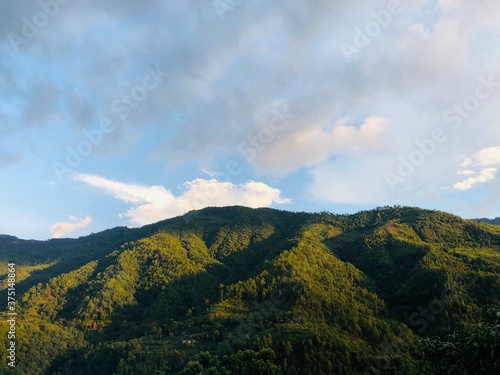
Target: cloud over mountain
x,y
154,203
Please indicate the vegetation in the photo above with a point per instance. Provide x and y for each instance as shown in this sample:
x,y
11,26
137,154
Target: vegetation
x,y
395,290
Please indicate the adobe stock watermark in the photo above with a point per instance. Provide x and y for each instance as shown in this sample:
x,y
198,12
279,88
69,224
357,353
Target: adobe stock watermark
x,y
463,111
31,26
371,30
454,116
11,315
422,318
223,6
262,311
258,142
122,107
249,148
419,321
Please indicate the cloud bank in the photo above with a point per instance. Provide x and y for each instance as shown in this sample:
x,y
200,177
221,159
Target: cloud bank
x,y
154,203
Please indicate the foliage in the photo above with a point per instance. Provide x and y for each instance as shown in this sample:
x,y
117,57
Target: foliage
x,y
233,290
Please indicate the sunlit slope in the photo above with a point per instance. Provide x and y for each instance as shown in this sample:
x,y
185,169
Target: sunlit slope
x,y
257,291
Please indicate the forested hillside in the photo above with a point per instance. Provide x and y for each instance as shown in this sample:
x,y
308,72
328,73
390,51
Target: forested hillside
x,y
395,290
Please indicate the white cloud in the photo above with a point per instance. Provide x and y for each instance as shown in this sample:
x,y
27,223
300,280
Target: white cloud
x,y
129,193
466,172
465,162
155,203
488,156
61,228
310,144
484,162
483,176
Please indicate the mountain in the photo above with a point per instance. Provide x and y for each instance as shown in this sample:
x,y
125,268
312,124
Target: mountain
x,y
495,221
395,290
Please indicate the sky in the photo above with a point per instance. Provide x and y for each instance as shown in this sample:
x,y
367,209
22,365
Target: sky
x,y
124,113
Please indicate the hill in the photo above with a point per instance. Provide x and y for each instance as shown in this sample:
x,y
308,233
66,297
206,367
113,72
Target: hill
x,y
495,221
395,290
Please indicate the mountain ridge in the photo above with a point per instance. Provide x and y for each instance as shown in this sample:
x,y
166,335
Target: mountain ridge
x,y
262,291
495,221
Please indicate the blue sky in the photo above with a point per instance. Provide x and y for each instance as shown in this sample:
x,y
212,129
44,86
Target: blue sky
x,y
125,113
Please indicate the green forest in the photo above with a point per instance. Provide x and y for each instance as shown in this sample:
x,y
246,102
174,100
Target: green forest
x,y
233,290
